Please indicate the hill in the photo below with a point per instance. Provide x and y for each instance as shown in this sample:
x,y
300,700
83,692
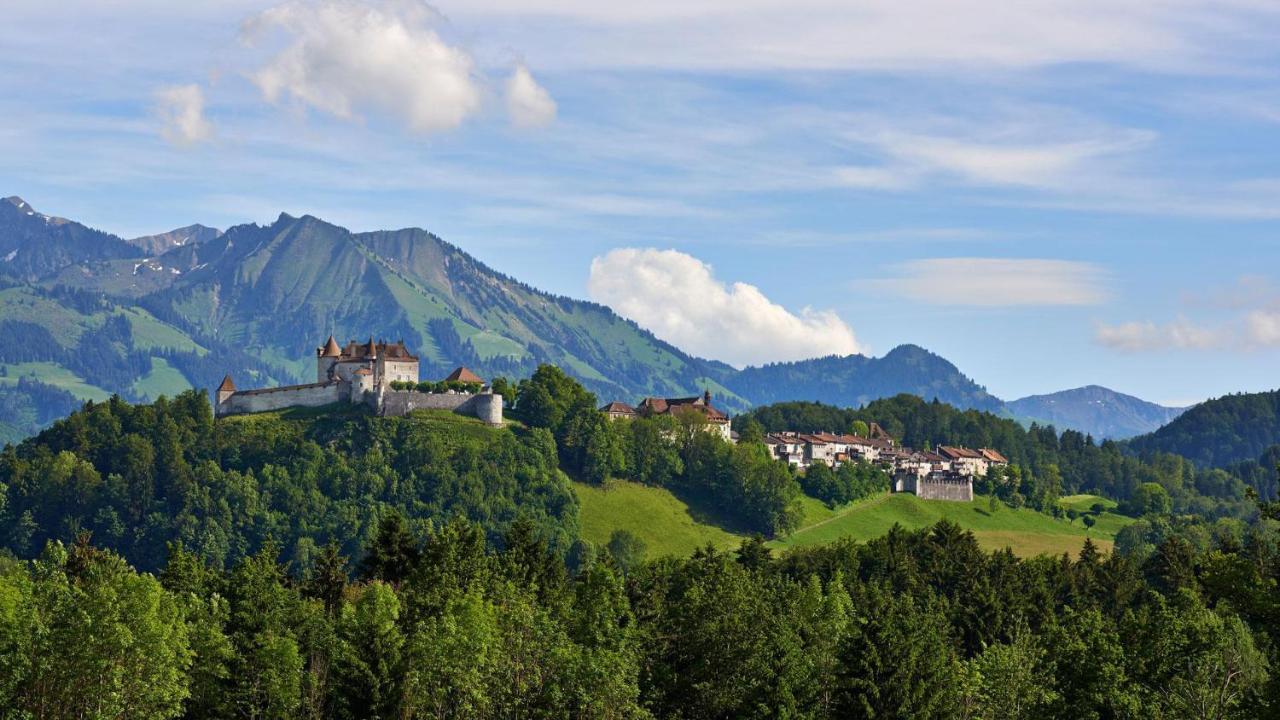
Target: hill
x,y
670,527
139,477
1093,410
855,380
1219,432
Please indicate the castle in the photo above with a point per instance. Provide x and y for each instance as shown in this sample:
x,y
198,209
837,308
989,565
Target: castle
x,y
381,375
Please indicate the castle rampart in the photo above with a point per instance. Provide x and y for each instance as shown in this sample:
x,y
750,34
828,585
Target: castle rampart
x,y
267,399
486,406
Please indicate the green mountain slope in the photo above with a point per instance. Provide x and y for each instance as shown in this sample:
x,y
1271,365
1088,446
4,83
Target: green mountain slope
x,y
855,380
1219,432
1094,410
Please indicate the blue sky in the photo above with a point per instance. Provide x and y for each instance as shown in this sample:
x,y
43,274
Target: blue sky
x,y
1049,193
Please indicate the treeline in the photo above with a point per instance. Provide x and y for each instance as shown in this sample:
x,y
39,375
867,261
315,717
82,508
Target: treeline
x,y
28,405
1048,463
140,476
443,624
747,486
1219,432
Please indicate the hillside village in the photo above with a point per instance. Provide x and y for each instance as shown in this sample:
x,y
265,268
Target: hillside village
x,y
945,473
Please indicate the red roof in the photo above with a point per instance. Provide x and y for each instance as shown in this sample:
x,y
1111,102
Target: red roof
x,y
957,453
993,456
464,375
331,348
618,408
227,385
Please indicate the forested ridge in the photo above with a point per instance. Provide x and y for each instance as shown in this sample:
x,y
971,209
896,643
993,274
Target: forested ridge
x,y
1220,432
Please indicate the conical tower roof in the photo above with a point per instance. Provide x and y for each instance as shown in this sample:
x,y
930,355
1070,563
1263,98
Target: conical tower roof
x,y
227,385
331,348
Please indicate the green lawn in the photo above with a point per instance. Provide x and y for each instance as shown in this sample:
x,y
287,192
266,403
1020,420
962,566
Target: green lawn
x,y
669,526
149,332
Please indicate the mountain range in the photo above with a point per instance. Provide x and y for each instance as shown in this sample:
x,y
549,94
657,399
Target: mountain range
x,y
90,314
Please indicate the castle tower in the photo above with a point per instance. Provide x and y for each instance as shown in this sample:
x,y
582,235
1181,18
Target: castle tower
x,y
326,358
223,394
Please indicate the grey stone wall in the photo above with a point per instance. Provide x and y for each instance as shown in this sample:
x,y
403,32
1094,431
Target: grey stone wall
x,y
252,401
931,489
486,406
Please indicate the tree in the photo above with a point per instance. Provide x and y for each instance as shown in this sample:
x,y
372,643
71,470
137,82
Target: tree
x,y
1010,681
393,553
369,670
898,661
1149,499
627,549
86,636
1089,521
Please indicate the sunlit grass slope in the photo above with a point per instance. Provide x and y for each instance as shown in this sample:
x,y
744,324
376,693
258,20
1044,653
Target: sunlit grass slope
x,y
669,526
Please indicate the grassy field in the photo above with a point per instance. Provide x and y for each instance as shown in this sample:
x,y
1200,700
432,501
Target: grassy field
x,y
164,379
669,526
663,521
1025,531
56,375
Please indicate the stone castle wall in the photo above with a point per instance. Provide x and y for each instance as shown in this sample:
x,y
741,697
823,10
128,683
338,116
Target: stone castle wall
x,y
252,401
927,488
930,489
486,406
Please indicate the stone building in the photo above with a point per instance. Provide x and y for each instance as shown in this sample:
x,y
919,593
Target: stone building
x,y
362,373
717,421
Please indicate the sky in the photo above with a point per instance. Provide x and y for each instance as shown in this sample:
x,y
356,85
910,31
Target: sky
x,y
1049,193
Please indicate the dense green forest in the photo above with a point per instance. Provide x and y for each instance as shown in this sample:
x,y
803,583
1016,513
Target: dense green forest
x,y
141,476
1220,432
443,624
1049,463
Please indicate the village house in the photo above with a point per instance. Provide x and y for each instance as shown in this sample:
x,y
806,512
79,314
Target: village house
x,y
974,463
363,373
716,420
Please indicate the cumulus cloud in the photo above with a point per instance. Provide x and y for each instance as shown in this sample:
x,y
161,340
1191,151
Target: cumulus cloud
x,y
342,56
529,105
181,111
679,299
1146,336
999,282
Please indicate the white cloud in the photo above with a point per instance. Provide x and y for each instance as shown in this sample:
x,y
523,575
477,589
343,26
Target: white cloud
x,y
953,35
1043,164
528,104
181,111
998,282
1247,318
677,297
1147,336
1262,328
342,57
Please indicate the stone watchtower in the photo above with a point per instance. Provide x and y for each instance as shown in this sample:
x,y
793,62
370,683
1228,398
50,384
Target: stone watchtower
x,y
326,358
225,390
